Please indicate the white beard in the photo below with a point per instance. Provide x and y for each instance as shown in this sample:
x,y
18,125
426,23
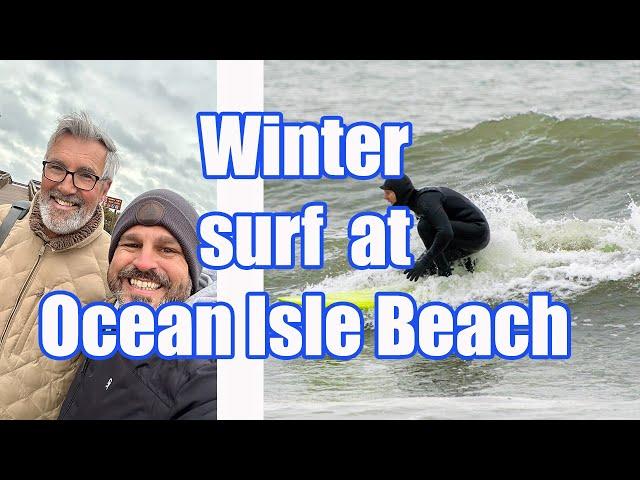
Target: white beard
x,y
61,222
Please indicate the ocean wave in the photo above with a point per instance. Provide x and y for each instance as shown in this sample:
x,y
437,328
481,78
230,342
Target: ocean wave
x,y
537,119
564,256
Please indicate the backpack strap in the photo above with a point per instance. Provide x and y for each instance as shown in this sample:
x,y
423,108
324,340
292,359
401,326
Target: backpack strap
x,y
18,211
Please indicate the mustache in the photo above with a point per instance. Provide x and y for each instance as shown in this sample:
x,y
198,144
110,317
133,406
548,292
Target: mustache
x,y
76,200
131,271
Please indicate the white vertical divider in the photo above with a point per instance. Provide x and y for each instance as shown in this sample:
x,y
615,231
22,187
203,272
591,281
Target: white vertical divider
x,y
240,380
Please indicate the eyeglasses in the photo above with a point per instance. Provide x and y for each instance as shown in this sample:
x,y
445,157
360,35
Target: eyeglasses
x,y
57,173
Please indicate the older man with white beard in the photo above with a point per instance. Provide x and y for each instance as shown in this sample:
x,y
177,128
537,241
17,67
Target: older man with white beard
x,y
60,245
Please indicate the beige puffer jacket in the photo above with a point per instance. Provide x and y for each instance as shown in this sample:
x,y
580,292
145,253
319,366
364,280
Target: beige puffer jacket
x,y
33,386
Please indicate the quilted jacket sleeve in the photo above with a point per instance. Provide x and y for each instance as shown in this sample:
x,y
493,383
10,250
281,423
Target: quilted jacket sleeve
x,y
4,209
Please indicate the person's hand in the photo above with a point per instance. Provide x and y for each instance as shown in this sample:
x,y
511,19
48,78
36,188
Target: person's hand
x,y
418,270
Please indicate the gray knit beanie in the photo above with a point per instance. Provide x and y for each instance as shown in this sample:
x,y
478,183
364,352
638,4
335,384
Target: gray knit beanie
x,y
171,211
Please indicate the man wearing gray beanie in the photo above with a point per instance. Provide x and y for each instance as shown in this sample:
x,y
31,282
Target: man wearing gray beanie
x,y
157,208
152,259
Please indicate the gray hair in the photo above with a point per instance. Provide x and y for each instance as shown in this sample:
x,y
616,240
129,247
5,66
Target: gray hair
x,y
81,126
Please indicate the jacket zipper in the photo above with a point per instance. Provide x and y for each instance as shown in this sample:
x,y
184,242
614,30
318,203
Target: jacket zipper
x,y
72,395
22,292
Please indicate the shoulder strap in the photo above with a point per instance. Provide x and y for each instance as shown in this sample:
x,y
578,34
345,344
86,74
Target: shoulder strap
x,y
18,210
429,189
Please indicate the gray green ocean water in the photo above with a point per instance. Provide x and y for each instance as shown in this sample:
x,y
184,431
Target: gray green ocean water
x,y
551,152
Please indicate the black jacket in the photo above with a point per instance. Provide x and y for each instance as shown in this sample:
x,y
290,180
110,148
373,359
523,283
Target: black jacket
x,y
153,389
439,206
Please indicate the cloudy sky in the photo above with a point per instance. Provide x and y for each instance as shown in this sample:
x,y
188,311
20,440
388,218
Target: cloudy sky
x,y
148,108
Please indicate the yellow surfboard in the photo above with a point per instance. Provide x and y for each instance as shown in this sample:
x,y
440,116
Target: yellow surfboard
x,y
363,299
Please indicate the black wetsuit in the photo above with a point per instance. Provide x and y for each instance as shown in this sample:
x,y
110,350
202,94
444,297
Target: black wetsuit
x,y
450,225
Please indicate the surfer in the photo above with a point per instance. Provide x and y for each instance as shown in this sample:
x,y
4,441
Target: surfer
x,y
450,225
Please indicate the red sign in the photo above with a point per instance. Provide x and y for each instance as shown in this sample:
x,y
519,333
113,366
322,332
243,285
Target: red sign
x,y
111,202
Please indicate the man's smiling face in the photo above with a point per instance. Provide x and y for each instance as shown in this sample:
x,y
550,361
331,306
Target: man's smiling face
x,y
148,265
64,207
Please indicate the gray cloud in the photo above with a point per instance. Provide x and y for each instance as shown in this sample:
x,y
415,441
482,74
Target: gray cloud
x,y
162,92
16,118
68,75
148,108
147,145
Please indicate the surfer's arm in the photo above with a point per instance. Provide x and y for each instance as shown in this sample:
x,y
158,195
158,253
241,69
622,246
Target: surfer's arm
x,y
430,204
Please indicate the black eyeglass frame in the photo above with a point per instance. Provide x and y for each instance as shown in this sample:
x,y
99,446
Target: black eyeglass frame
x,y
73,175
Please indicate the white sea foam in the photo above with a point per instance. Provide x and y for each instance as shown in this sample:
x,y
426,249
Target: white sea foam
x,y
565,257
466,407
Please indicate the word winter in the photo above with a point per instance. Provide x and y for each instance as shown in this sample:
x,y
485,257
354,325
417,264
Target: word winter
x,y
253,145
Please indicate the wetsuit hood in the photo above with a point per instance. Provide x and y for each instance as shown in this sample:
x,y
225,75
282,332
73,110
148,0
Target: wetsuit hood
x,y
402,187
